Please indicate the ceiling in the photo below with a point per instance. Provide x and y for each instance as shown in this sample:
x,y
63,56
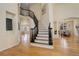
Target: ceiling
x,y
26,5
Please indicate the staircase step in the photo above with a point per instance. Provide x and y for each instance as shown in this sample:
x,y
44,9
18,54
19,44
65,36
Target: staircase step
x,y
42,35
44,38
39,41
43,30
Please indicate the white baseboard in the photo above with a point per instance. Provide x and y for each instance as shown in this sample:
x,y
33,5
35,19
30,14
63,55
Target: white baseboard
x,y
10,46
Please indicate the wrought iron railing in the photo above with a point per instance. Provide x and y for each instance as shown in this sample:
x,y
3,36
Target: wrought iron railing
x,y
50,34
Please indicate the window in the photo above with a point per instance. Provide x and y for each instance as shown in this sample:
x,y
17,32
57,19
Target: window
x,y
9,24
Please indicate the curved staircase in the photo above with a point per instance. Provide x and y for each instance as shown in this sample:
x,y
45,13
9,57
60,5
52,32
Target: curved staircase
x,y
39,38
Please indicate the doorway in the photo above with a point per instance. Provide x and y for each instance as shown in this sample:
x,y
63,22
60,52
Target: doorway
x,y
70,27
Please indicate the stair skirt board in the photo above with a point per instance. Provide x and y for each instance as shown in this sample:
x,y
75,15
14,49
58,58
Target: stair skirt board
x,y
42,45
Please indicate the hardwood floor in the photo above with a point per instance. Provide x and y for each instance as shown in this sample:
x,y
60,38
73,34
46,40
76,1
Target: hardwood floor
x,y
71,49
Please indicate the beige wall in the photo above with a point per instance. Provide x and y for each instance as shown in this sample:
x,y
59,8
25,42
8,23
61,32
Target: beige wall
x,y
8,38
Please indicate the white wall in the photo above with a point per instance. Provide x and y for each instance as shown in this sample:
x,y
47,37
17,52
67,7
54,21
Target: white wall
x,y
31,22
44,21
62,11
26,21
8,38
36,8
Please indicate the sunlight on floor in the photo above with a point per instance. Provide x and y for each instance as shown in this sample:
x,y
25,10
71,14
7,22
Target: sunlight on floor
x,y
63,43
25,39
62,46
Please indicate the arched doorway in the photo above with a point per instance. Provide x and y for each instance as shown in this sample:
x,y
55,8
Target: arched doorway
x,y
26,23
